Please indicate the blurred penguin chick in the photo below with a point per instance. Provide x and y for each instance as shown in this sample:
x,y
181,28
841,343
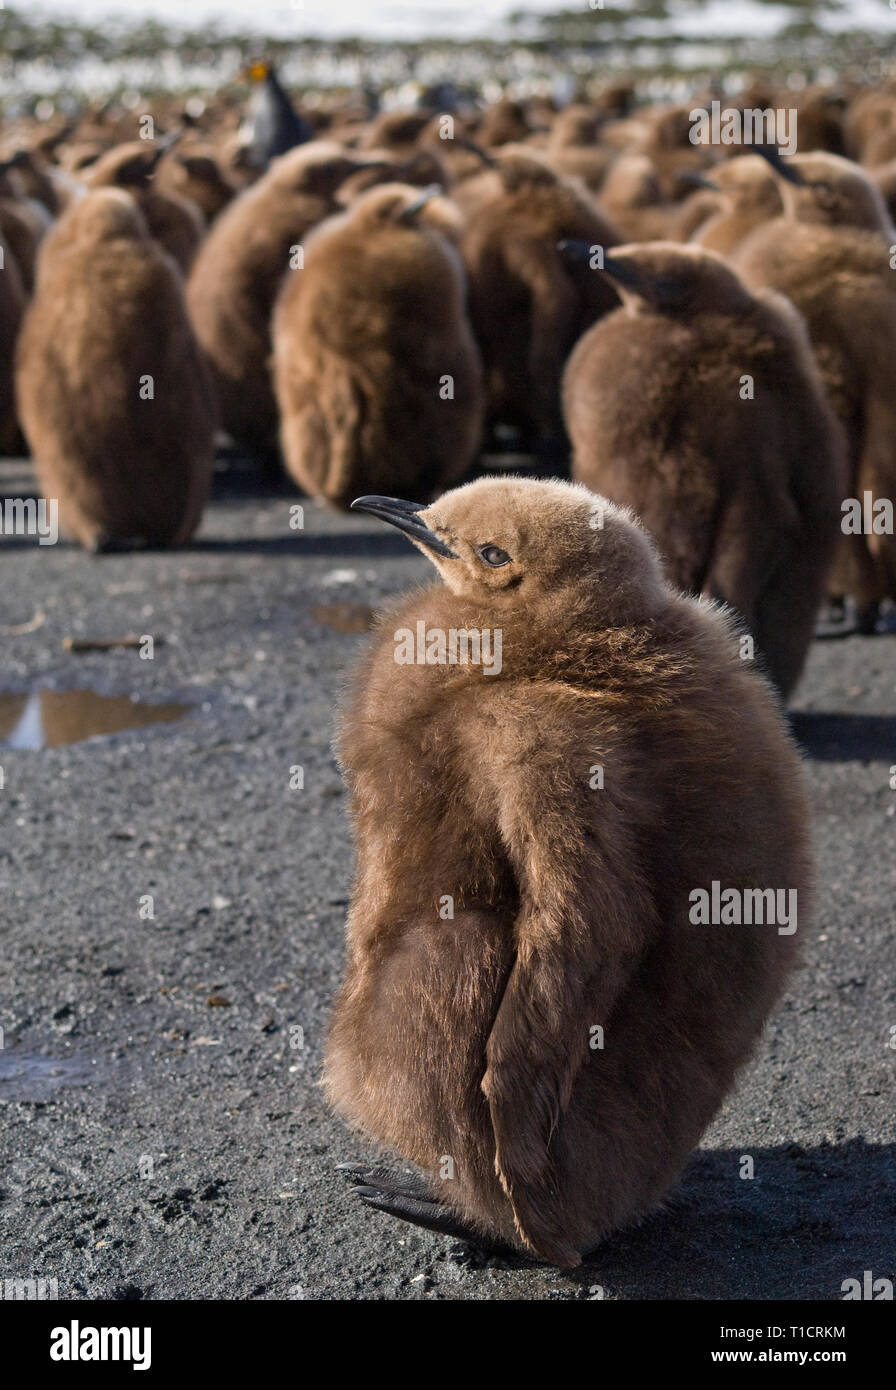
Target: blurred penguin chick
x,y
699,405
238,273
114,397
378,378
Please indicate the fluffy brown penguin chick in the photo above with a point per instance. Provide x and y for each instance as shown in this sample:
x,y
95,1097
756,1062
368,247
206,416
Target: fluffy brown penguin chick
x,y
633,198
504,122
749,197
830,255
195,174
377,375
574,146
528,305
699,406
531,1012
114,397
176,222
822,189
238,272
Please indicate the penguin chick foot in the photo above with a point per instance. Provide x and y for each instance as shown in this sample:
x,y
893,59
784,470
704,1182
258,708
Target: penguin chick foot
x,y
104,544
431,1215
387,1181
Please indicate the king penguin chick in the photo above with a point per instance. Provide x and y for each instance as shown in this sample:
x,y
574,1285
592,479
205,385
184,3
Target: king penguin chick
x,y
826,190
528,306
749,197
574,149
537,839
830,255
237,275
377,375
176,222
699,405
195,174
633,198
114,397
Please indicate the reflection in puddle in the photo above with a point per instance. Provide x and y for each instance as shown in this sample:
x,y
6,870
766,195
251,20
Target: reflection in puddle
x,y
29,1077
51,718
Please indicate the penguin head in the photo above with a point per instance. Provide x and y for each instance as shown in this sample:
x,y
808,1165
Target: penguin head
x,y
826,188
381,166
671,129
747,183
520,169
133,164
397,131
521,542
318,169
632,182
680,281
105,214
403,205
577,125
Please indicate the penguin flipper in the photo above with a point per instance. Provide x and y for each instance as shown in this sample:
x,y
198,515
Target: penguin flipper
x,y
585,918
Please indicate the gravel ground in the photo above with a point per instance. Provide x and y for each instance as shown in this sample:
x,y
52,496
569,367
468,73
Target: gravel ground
x,y
162,1134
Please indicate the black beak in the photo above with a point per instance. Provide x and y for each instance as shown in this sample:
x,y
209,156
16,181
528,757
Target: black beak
x,y
419,203
163,147
577,252
20,157
403,515
623,272
481,154
786,171
699,181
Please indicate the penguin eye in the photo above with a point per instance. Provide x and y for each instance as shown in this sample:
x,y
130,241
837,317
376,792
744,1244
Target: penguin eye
x,y
493,555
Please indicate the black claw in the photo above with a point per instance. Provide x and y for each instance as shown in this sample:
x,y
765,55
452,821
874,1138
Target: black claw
x,y
386,1181
430,1215
412,1199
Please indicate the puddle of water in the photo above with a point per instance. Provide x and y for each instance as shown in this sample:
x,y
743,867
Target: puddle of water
x,y
52,718
29,1077
344,617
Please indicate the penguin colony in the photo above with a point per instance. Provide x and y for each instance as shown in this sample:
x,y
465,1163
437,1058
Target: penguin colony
x,y
698,343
